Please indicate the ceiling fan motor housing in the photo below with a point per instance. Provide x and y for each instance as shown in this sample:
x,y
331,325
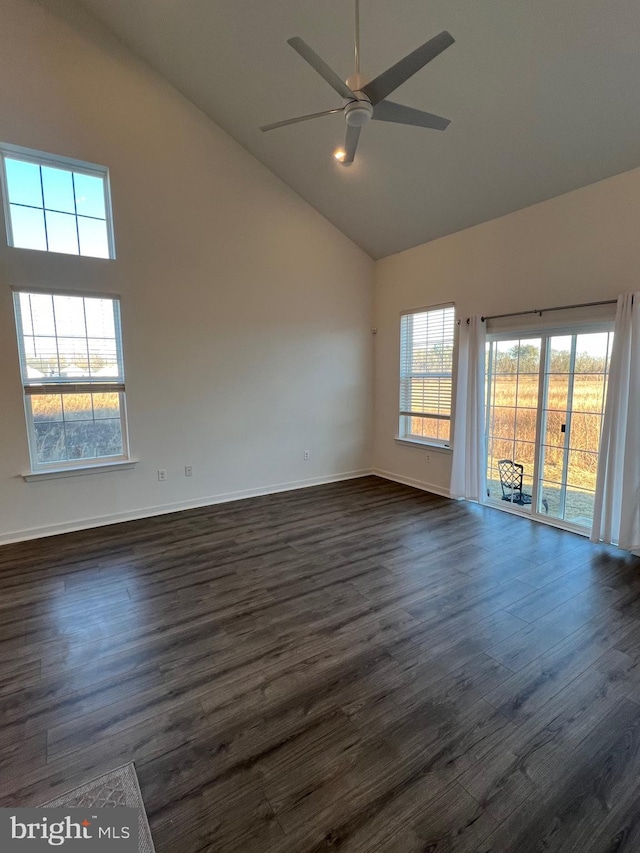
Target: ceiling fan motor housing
x,y
358,113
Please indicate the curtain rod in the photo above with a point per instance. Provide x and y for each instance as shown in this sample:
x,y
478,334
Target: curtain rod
x,y
544,310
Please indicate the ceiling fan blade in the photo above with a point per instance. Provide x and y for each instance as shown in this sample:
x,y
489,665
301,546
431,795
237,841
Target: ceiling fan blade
x,y
299,118
321,67
384,84
389,111
350,144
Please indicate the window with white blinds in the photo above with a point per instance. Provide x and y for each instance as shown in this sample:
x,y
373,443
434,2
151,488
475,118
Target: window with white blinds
x,y
426,368
73,378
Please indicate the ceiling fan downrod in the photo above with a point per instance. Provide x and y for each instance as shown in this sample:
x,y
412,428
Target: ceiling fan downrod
x,y
356,81
357,43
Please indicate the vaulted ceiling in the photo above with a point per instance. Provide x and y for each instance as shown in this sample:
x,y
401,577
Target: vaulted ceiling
x,y
543,98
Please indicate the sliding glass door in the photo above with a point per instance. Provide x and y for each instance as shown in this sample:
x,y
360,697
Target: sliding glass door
x,y
512,414
575,382
545,402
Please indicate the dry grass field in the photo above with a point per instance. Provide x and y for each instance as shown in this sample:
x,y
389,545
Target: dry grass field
x,y
49,407
76,426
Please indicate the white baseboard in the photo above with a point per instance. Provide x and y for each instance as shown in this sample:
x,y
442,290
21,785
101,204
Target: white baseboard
x,y
165,509
408,481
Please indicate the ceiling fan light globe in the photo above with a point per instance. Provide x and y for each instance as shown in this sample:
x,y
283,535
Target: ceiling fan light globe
x,y
358,113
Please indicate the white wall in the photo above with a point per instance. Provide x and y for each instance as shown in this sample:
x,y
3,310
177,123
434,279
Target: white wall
x,y
579,247
246,315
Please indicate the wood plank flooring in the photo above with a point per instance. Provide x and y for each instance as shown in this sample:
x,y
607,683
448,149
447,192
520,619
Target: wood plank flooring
x,y
357,667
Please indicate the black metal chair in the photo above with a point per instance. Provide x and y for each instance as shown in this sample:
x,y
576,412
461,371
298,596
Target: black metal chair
x,y
511,474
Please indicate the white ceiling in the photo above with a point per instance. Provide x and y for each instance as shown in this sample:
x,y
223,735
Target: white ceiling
x,y
544,97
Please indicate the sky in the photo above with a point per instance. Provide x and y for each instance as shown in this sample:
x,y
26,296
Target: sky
x,y
56,209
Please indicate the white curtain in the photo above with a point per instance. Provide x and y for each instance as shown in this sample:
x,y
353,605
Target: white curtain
x,y
617,506
468,470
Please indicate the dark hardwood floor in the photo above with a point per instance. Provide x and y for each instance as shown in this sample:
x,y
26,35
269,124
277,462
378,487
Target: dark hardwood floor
x,y
358,667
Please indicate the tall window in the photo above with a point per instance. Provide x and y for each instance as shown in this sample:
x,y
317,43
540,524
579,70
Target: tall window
x,y
54,204
426,366
73,378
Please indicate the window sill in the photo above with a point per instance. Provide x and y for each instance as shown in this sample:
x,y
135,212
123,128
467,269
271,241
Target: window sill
x,y
56,473
416,442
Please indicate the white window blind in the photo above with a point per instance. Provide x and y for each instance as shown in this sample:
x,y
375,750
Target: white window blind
x,y
73,377
426,367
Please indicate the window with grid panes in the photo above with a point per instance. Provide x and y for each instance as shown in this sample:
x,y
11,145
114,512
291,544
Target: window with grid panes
x,y
73,378
54,204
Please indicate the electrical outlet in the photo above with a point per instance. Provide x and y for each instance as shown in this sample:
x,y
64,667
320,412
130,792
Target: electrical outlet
x,y
306,455
162,473
428,458
188,470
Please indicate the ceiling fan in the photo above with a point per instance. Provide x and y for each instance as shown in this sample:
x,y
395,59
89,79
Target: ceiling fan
x,y
367,100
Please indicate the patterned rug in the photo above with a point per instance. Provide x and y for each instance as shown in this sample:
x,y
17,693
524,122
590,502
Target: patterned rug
x,y
117,788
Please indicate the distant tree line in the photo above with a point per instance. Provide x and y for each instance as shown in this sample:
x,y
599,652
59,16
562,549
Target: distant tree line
x,y
525,358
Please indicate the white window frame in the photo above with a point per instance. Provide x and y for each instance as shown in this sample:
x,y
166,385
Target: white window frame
x,y
41,158
405,415
60,385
